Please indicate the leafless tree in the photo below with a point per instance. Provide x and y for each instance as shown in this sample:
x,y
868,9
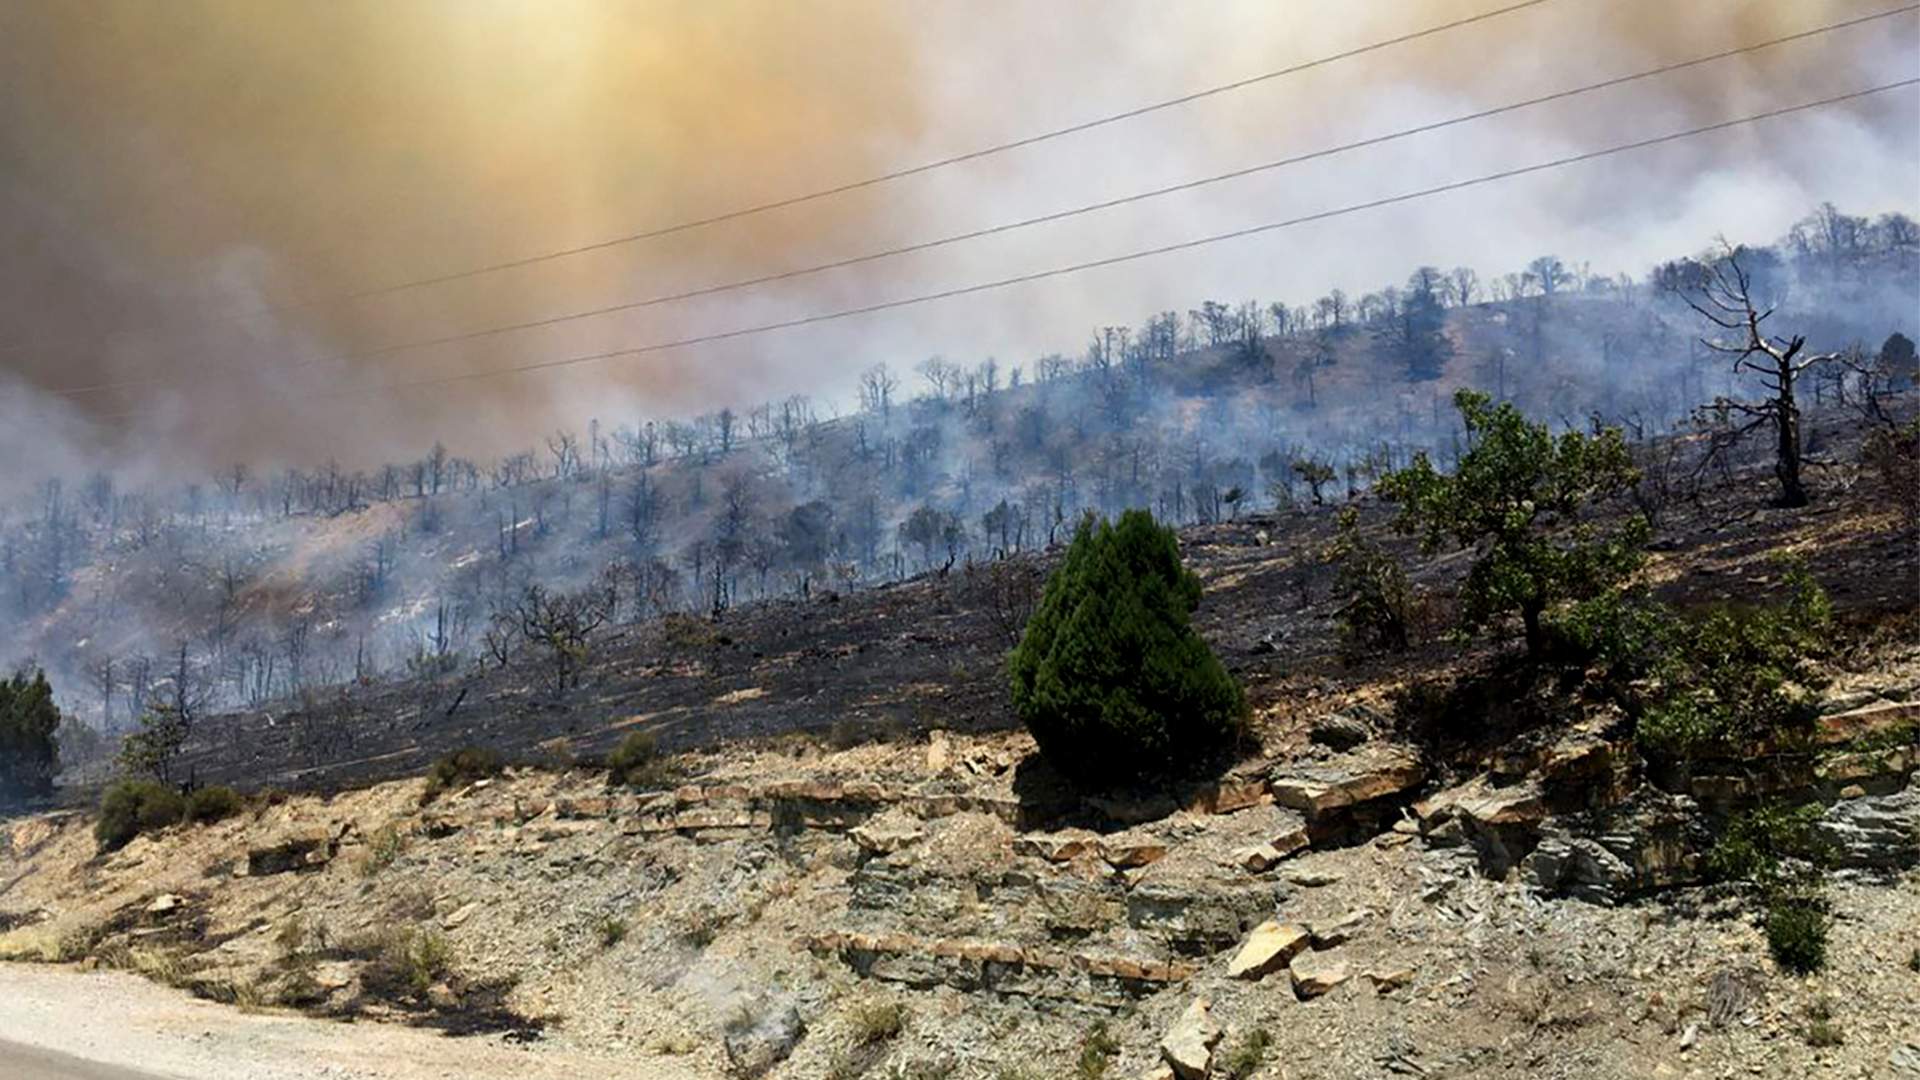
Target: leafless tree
x,y
1722,291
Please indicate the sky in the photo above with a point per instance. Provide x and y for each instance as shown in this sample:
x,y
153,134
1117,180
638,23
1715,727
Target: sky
x,y
197,197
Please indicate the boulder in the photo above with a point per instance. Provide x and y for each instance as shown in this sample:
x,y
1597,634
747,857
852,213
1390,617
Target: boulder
x,y
1339,731
1314,975
1188,1046
1268,949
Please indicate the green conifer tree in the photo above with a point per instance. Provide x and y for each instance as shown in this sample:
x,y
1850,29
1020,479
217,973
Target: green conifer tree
x,y
1110,676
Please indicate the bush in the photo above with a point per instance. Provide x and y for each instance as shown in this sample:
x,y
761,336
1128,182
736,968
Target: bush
x,y
877,1022
405,963
132,807
1246,1057
636,763
1738,674
209,804
1376,612
1797,933
463,766
1097,1052
1110,677
1752,846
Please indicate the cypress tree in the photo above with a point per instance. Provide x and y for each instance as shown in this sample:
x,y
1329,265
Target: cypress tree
x,y
29,751
1109,676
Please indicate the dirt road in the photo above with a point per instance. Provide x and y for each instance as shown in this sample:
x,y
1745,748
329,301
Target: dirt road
x,y
60,1024
32,1063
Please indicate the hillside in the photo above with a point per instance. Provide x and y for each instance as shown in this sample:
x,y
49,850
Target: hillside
x,y
846,865
273,590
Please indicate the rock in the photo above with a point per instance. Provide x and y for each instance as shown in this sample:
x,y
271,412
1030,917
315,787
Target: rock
x,y
304,849
754,1045
1387,980
1188,1046
1055,847
1323,790
1268,949
939,752
1576,867
1689,1037
1312,879
1339,731
1341,930
1879,831
460,915
1125,853
887,833
1158,1072
1905,1059
163,904
1315,975
1258,859
1888,716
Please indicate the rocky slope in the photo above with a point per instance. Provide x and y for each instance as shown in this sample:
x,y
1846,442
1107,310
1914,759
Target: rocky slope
x,y
940,907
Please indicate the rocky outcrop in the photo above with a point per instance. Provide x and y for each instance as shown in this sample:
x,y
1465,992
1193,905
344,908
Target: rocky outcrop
x,y
1880,831
1087,978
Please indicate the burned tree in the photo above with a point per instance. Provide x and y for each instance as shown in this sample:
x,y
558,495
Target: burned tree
x,y
559,624
1724,292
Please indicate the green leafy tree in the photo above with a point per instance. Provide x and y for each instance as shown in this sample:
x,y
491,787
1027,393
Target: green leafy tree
x,y
1518,499
1110,676
29,748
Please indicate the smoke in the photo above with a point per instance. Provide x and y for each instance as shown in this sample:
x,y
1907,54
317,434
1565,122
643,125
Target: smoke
x,y
191,187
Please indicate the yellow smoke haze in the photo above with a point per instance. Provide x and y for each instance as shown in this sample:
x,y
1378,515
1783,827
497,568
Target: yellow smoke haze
x,y
166,165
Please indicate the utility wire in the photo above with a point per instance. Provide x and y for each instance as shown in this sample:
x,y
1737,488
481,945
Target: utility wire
x,y
866,182
1146,253
1059,215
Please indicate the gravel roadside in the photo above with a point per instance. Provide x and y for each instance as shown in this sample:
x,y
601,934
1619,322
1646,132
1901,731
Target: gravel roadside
x,y
114,1022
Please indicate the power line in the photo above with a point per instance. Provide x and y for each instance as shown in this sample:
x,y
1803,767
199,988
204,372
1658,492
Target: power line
x,y
1166,249
1059,215
876,180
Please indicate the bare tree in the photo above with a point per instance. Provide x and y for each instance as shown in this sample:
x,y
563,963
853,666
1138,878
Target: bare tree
x,y
1722,292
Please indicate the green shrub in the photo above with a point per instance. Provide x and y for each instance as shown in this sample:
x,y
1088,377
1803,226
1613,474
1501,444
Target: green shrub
x,y
209,804
1110,677
876,1022
1738,675
1097,1052
132,807
636,762
1376,611
610,929
1752,846
404,963
1518,498
1822,1031
463,766
1797,933
1246,1057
